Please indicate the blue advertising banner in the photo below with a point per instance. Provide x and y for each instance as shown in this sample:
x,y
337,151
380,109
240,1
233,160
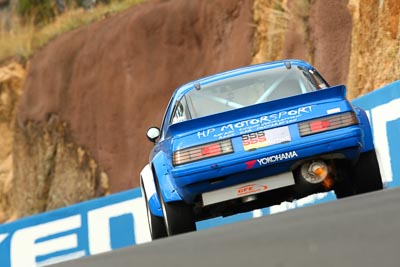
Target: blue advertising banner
x,y
83,229
120,220
383,109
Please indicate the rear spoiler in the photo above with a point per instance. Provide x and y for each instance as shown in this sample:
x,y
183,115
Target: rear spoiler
x,y
330,94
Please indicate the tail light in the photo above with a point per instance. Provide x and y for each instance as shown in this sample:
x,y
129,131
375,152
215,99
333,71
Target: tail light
x,y
327,123
202,152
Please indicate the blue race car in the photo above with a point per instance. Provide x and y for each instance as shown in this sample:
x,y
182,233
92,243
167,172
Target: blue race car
x,y
251,138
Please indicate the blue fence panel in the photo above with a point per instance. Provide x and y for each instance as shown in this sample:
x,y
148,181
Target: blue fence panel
x,y
79,230
383,107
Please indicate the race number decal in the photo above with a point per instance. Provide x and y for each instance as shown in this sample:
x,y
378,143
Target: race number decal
x,y
266,138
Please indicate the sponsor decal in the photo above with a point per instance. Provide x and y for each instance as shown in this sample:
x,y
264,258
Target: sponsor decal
x,y
85,229
271,159
333,111
250,164
256,124
253,140
251,189
277,157
266,138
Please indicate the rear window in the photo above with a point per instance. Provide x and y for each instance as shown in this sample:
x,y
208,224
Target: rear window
x,y
246,90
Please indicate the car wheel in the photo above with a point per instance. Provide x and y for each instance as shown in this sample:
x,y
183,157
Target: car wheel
x,y
156,224
178,217
344,185
367,176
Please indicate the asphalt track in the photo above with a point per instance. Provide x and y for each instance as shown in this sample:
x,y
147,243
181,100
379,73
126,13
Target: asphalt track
x,y
358,231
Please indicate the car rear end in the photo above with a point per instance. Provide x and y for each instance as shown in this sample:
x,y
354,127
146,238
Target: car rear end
x,y
266,153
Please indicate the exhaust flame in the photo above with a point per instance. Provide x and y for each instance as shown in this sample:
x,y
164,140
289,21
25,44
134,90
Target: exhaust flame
x,y
327,183
319,171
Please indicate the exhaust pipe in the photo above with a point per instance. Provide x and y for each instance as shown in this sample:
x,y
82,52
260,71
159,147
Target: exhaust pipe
x,y
314,172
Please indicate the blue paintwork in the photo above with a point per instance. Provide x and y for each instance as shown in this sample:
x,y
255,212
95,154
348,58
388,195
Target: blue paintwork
x,y
162,169
155,206
186,132
186,181
367,131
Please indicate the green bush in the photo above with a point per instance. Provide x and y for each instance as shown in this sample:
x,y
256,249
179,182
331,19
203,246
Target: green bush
x,y
38,11
44,11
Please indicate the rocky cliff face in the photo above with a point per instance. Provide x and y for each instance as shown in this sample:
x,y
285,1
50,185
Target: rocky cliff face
x,y
307,30
351,42
11,80
90,95
375,53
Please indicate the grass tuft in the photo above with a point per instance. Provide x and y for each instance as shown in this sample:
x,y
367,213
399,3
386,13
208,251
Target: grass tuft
x,y
25,38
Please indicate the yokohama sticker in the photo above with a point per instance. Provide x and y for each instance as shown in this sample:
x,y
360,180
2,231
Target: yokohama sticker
x,y
272,159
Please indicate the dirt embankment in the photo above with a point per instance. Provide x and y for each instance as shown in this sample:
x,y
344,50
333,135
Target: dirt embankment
x,y
91,94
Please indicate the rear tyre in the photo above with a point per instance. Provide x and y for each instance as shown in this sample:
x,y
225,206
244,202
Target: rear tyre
x,y
367,176
344,185
178,217
362,177
156,224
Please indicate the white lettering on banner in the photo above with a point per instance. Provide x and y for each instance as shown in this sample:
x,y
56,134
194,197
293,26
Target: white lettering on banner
x,y
28,243
2,237
278,157
25,248
381,115
284,206
99,224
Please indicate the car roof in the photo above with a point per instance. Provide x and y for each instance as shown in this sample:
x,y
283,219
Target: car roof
x,y
182,90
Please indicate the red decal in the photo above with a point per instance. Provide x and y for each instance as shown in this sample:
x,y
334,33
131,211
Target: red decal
x,y
251,189
250,164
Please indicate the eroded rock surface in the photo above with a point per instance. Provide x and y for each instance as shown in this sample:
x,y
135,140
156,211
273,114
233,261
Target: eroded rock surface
x,y
100,87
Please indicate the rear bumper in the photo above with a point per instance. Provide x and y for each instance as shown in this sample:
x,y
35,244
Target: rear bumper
x,y
343,143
